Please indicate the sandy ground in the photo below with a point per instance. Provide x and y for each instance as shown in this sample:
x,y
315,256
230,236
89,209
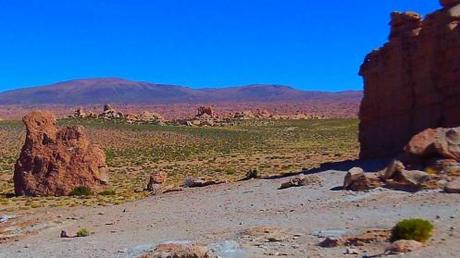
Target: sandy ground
x,y
217,216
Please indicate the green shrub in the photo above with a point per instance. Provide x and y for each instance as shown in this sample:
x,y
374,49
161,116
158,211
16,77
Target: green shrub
x,y
83,232
108,192
81,191
412,229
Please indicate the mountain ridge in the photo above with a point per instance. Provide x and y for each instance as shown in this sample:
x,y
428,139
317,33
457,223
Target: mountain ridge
x,y
123,91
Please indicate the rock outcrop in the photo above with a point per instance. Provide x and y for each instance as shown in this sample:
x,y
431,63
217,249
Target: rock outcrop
x,y
54,161
413,82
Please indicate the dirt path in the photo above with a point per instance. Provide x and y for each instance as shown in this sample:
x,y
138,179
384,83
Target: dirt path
x,y
218,215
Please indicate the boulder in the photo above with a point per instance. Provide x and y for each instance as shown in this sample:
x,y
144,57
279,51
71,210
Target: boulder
x,y
404,246
356,180
410,181
205,111
174,250
453,186
110,113
54,161
439,142
155,183
411,83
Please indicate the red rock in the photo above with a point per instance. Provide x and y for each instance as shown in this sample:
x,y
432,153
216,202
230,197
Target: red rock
x,y
54,161
440,142
411,83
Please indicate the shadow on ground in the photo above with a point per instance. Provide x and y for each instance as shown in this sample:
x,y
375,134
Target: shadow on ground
x,y
366,165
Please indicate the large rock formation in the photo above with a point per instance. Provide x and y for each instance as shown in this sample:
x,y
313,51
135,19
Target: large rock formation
x,y
54,161
412,82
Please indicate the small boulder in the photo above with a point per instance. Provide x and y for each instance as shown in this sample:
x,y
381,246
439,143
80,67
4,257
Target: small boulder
x,y
453,186
155,182
251,174
356,180
404,246
293,182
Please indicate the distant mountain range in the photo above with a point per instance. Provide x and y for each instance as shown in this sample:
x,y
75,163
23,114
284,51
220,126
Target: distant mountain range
x,y
121,91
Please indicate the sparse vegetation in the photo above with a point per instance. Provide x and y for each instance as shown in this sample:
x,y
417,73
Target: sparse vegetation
x,y
108,192
412,229
81,191
224,153
83,232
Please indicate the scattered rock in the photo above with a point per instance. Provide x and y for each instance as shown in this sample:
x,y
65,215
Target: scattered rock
x,y
64,234
404,246
155,182
356,180
368,237
331,242
202,111
351,251
293,182
180,251
200,182
251,174
54,161
453,186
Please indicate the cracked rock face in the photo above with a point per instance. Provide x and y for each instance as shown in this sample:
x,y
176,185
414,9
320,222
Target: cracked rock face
x,y
54,161
412,82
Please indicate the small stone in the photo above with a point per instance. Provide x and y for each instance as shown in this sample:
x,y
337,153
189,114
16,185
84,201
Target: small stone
x,y
404,246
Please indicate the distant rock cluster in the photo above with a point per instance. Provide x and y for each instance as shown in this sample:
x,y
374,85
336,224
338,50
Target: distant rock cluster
x,y
54,161
109,113
206,116
412,82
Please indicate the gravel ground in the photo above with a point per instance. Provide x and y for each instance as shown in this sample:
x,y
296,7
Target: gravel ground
x,y
217,216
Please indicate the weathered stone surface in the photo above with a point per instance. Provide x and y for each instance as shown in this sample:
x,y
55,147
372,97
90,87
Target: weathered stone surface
x,y
54,161
412,82
439,142
356,180
453,186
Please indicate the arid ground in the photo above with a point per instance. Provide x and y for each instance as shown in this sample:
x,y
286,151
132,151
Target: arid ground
x,y
222,153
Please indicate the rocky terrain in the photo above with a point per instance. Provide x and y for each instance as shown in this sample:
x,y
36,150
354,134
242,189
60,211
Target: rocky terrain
x,y
248,183
411,83
244,219
175,102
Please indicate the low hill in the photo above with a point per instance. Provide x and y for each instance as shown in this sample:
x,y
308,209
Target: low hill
x,y
121,91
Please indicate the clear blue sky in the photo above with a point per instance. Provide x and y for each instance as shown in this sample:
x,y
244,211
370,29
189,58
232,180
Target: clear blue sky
x,y
200,43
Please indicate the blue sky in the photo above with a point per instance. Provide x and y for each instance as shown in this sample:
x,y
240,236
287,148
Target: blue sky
x,y
199,43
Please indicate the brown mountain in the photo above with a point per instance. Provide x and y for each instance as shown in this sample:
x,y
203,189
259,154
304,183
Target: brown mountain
x,y
120,91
